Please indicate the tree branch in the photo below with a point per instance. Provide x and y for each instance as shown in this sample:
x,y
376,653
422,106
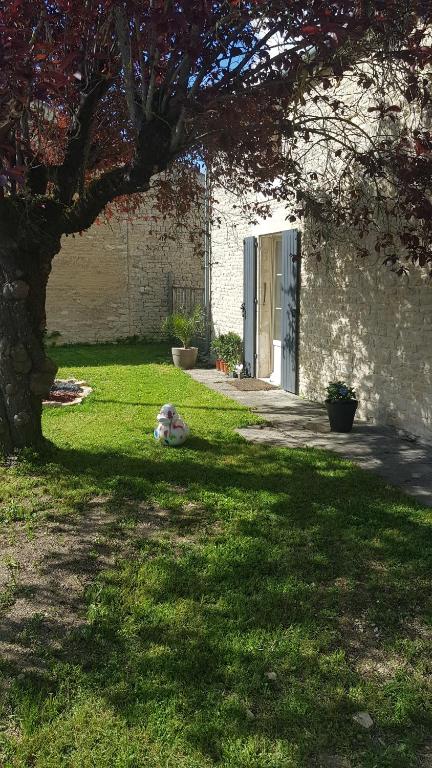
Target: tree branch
x,y
73,166
123,38
98,194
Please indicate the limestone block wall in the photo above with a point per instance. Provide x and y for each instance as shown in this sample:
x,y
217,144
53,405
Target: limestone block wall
x,y
227,258
112,282
358,322
87,297
227,265
362,323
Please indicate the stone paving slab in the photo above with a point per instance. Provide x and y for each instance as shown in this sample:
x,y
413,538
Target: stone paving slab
x,y
294,422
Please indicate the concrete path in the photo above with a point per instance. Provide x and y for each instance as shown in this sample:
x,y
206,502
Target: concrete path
x,y
296,423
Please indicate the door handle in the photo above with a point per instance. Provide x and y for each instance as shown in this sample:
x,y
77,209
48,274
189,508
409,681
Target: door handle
x,y
243,309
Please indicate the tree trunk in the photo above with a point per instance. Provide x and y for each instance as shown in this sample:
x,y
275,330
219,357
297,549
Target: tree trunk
x,y
26,373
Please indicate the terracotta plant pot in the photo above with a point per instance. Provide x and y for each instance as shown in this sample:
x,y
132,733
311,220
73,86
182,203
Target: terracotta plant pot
x,y
218,364
341,414
184,358
224,367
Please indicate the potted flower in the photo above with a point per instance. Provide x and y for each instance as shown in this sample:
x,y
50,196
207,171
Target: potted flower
x,y
216,346
184,326
341,406
232,351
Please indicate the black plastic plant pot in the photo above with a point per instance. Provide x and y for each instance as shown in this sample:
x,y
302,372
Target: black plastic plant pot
x,y
341,414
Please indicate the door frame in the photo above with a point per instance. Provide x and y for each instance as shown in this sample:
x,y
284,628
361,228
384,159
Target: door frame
x,y
249,306
291,284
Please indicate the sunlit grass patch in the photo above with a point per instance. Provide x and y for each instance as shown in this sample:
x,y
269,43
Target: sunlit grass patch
x,y
285,591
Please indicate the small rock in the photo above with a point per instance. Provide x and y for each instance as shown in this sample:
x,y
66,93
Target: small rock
x,y
364,719
271,676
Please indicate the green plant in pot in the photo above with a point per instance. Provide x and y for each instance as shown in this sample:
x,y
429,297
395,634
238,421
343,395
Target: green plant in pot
x,y
216,348
341,404
232,350
185,326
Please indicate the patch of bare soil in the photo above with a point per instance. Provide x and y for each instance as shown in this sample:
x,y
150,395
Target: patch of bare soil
x,y
366,651
43,577
425,760
331,761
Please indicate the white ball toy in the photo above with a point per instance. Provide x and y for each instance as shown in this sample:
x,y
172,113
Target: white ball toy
x,y
171,429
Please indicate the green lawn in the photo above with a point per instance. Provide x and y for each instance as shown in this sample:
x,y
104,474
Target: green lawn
x,y
274,560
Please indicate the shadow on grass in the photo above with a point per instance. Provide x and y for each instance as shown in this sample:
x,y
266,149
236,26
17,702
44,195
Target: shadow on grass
x,y
308,568
139,353
179,405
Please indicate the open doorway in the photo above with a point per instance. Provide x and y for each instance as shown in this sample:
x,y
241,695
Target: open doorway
x,y
269,352
271,292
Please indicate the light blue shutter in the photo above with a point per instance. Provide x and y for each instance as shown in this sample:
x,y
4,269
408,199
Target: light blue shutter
x,y
249,306
290,309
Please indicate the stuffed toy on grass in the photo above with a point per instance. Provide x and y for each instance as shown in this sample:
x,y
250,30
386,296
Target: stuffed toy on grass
x,y
171,429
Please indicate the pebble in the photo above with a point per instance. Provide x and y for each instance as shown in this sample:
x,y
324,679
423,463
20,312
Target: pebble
x,y
364,719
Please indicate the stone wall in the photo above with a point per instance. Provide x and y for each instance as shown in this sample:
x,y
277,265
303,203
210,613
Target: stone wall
x,y
227,266
227,258
87,297
362,323
358,322
112,282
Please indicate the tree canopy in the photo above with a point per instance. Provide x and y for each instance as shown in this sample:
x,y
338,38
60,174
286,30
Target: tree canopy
x,y
100,98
